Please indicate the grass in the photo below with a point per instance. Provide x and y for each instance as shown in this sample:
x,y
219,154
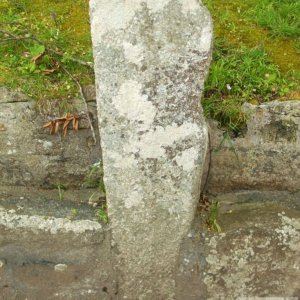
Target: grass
x,y
240,75
101,214
256,56
212,218
62,27
280,17
94,177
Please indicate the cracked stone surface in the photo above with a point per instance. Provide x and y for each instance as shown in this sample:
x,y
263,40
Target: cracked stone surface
x,y
151,59
256,254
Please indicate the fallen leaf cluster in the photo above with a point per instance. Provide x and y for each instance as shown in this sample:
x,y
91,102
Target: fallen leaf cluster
x,y
55,124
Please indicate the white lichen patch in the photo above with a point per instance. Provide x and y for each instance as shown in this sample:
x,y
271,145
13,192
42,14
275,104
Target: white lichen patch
x,y
133,53
156,6
153,142
36,223
190,7
206,38
11,151
47,145
187,159
122,161
109,15
288,233
291,221
135,198
114,15
134,106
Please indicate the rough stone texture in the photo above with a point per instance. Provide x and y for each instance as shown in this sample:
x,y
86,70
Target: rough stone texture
x,y
266,156
151,58
50,257
30,156
256,254
260,257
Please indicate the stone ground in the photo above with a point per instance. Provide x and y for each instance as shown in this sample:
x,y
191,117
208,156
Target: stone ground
x,y
257,254
46,253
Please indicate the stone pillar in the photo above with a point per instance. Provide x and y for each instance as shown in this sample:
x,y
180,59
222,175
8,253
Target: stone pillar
x,y
151,59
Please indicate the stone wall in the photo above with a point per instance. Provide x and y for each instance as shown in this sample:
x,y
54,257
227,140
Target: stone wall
x,y
266,156
30,156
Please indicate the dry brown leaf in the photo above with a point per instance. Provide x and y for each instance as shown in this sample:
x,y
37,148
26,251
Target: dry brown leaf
x,y
54,125
38,58
65,126
48,124
69,116
48,71
65,131
66,123
76,124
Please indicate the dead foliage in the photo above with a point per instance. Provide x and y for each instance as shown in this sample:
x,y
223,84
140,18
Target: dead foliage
x,y
63,123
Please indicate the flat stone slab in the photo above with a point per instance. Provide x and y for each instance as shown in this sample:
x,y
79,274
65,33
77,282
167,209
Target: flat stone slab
x,y
257,254
53,202
46,252
30,156
266,155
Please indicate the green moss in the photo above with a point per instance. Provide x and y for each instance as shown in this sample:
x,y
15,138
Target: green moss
x,y
72,16
60,25
246,26
256,62
234,20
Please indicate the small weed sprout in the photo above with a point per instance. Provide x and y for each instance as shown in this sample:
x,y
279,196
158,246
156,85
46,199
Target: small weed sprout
x,y
212,219
73,214
94,178
101,214
60,188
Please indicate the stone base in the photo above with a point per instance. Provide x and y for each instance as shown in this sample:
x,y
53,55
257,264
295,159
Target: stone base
x,y
257,254
266,156
53,256
47,252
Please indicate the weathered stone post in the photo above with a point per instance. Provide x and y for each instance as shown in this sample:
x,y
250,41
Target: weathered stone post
x,y
151,58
